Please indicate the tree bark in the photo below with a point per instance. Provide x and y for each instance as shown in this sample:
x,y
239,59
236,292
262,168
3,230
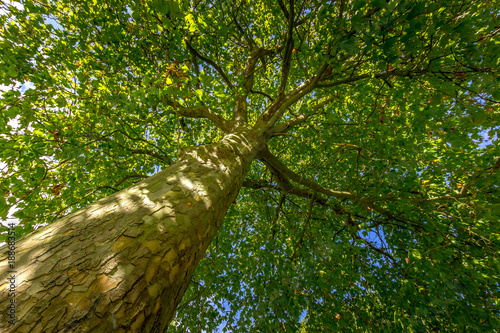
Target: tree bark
x,y
123,263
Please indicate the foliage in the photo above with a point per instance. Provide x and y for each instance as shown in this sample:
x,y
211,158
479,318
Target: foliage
x,y
386,121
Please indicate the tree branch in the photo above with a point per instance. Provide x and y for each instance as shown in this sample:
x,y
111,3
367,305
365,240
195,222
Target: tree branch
x,y
257,184
300,119
283,9
278,107
261,93
306,224
128,177
287,57
277,215
365,76
200,112
211,63
151,153
248,39
240,114
287,188
276,164
271,160
369,244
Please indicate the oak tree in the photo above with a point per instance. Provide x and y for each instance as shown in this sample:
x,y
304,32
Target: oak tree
x,y
265,165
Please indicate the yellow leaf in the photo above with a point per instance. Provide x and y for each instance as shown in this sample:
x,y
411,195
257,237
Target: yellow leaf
x,y
425,182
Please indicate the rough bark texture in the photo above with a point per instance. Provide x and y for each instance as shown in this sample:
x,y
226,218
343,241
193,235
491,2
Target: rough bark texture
x,y
123,263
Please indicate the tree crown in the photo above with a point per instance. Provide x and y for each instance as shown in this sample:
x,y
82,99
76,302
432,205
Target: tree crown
x,y
375,204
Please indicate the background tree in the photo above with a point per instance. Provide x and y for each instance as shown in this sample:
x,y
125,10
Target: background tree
x,y
371,203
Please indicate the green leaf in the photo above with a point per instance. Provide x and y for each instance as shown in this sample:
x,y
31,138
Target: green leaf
x,y
4,208
12,71
414,253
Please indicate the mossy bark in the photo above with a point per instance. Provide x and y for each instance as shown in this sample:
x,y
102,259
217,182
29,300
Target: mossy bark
x,y
123,263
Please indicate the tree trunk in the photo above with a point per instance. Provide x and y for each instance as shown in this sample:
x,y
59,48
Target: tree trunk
x,y
123,263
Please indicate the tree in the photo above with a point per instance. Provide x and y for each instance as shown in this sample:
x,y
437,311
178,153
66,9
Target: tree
x,y
351,148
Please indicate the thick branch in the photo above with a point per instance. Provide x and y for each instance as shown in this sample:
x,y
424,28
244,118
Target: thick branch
x,y
283,9
300,119
288,188
276,164
287,57
240,114
278,108
283,128
271,160
200,112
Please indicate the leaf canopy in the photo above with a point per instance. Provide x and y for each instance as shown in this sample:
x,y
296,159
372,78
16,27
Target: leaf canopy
x,y
377,209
